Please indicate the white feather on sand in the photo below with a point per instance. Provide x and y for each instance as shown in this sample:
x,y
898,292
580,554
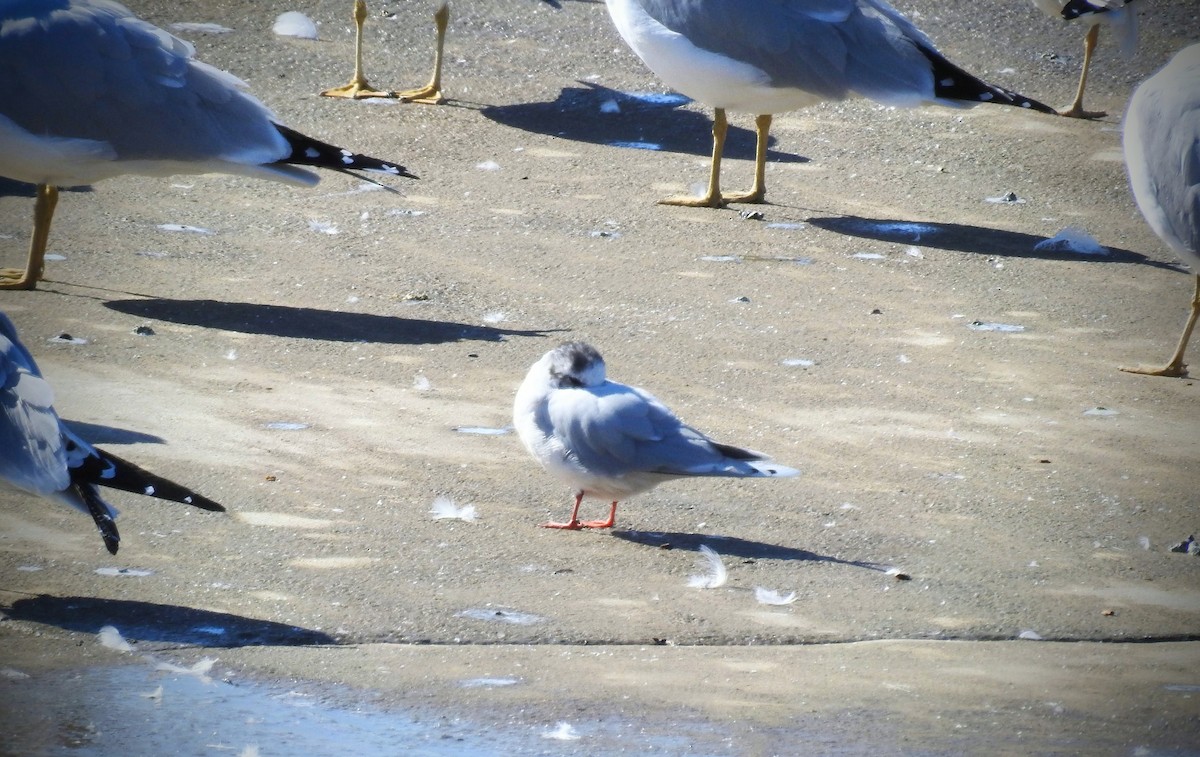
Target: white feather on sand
x,y
716,576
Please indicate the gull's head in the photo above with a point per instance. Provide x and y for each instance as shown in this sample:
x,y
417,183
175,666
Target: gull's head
x,y
575,364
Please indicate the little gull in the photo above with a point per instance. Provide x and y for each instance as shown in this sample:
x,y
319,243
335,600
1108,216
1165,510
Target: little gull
x,y
40,455
772,56
358,88
611,441
1162,155
1116,14
89,91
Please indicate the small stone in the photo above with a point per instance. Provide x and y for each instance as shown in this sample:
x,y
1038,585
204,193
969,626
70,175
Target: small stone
x,y
752,215
144,331
1183,546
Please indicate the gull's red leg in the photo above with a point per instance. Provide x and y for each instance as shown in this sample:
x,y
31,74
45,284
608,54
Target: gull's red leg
x,y
612,519
573,524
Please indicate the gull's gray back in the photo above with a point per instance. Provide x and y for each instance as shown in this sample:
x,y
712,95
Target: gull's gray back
x,y
833,48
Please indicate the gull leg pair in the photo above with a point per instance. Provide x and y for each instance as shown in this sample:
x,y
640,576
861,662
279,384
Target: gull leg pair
x,y
43,213
1076,110
358,88
574,524
713,198
1176,367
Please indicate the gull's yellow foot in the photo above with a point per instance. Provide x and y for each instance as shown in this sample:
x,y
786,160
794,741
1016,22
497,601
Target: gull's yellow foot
x,y
706,200
1077,111
1171,370
427,95
357,90
17,278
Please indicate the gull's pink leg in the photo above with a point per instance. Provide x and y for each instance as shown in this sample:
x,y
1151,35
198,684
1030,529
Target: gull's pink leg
x,y
573,524
612,519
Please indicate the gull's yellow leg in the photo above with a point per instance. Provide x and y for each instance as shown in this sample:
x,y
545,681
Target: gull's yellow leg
x,y
431,93
757,192
43,213
358,87
711,198
1076,110
1176,367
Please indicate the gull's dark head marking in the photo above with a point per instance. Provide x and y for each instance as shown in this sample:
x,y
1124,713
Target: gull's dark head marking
x,y
576,364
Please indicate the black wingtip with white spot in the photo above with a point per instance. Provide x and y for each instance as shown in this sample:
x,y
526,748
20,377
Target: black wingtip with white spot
x,y
307,151
1077,8
106,469
952,83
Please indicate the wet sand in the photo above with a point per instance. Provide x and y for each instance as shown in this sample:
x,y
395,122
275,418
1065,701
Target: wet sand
x,y
950,393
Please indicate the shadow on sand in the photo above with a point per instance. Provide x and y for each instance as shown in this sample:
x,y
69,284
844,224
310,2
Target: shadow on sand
x,y
652,121
147,621
310,323
732,546
973,239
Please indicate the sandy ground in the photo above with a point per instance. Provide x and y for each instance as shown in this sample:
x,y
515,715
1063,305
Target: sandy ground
x,y
314,353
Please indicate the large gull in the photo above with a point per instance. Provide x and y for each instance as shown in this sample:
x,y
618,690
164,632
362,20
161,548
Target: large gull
x,y
89,91
40,455
771,56
1162,155
608,440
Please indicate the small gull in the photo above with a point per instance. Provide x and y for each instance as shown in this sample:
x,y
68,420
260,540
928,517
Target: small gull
x,y
1162,155
772,56
608,440
89,91
358,87
1116,13
40,455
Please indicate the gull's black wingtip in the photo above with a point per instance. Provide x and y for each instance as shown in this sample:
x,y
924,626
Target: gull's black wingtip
x,y
307,151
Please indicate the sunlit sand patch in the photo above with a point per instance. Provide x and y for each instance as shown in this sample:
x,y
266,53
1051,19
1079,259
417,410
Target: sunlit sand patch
x,y
326,563
280,520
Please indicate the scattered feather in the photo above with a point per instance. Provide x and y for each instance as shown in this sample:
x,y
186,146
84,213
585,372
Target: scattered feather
x,y
483,430
295,24
323,227
502,616
496,316
488,683
1004,328
285,426
199,27
65,338
200,670
444,508
562,732
1071,239
772,597
185,229
110,637
421,384
251,750
1008,198
123,572
1103,412
13,674
717,574
1029,635
798,362
156,694
1144,541
869,256
488,165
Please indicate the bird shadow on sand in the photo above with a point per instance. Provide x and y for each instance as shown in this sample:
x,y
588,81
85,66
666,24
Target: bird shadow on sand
x,y
973,239
732,546
100,434
646,121
148,621
310,323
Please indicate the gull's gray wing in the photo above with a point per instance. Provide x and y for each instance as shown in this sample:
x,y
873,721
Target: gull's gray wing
x,y
615,430
141,90
832,48
31,443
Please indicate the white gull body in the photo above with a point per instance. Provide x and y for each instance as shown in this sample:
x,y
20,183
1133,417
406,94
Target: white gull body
x,y
608,440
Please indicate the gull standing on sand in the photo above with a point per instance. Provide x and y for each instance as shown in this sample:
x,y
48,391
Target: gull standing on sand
x,y
1120,18
772,56
611,441
89,91
40,455
1162,155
